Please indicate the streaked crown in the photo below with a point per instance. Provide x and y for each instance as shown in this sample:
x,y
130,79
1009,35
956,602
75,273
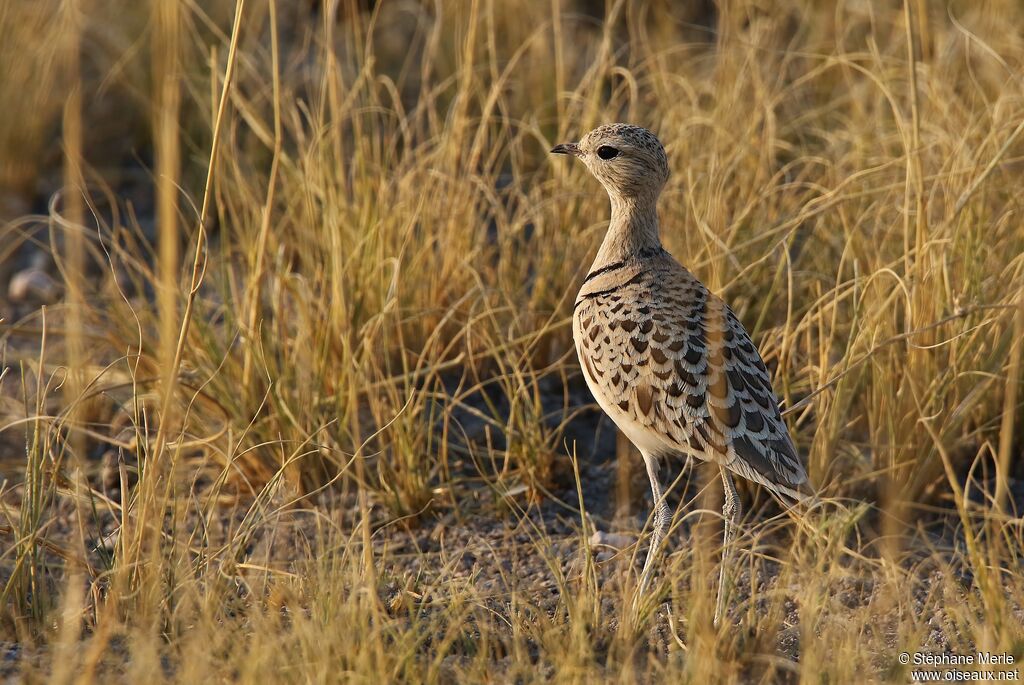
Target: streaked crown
x,y
628,160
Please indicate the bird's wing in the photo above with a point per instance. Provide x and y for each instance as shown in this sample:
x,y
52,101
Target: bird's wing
x,y
673,366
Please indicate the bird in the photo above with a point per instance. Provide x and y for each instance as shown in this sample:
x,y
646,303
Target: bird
x,y
666,359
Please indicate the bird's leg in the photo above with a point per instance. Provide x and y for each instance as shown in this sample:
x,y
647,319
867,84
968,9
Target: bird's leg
x,y
662,518
731,510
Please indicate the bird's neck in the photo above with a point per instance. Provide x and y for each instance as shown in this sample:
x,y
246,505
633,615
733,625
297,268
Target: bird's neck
x,y
633,230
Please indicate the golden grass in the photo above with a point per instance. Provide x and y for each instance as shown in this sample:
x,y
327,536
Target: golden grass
x,y
351,328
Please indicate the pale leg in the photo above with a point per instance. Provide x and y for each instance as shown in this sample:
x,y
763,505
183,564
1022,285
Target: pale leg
x,y
662,518
731,510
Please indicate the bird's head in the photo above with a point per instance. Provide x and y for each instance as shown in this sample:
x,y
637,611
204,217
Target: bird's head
x,y
628,160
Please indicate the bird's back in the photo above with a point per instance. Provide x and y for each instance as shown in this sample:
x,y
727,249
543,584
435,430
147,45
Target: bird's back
x,y
673,367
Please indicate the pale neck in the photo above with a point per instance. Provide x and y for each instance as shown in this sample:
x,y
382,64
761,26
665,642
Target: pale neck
x,y
632,230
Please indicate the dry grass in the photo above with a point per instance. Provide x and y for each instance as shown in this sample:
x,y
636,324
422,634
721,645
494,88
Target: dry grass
x,y
317,295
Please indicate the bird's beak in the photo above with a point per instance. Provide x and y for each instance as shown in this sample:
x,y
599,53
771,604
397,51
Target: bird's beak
x,y
567,149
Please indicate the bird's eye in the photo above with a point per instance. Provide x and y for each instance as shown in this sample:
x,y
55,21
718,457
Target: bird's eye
x,y
607,152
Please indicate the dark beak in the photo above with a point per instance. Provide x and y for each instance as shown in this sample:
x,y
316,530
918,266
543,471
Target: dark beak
x,y
566,149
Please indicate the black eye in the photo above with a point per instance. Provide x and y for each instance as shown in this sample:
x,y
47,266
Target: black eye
x,y
606,152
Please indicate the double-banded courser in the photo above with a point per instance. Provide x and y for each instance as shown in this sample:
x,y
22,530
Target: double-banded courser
x,y
666,359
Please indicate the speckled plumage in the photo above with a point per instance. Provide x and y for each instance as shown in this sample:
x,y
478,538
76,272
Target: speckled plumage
x,y
671,364
667,360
